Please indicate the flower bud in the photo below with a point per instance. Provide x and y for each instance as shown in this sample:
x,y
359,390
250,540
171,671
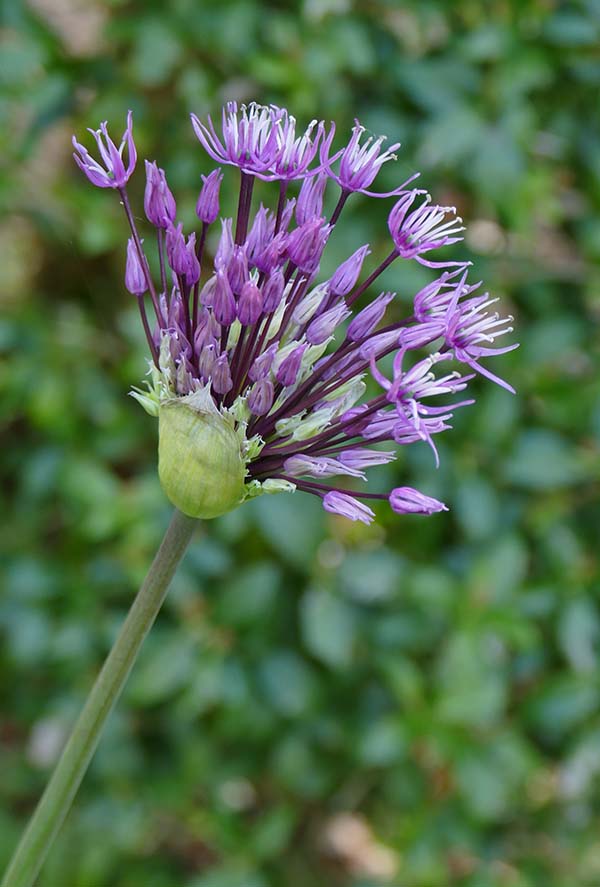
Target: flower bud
x,y
225,248
273,291
260,399
135,279
159,203
237,268
288,370
250,303
221,375
200,465
206,361
310,199
192,274
207,330
261,367
207,293
273,255
346,275
340,503
323,326
176,249
366,320
407,500
305,244
261,232
310,304
207,207
223,301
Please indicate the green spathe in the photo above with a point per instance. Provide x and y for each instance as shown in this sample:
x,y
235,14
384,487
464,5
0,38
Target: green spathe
x,y
200,464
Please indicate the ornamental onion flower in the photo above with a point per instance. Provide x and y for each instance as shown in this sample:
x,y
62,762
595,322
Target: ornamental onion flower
x,y
259,371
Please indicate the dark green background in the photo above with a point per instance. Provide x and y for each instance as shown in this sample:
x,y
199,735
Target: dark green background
x,y
414,703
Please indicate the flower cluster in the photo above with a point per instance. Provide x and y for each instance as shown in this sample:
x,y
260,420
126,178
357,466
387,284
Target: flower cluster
x,y
267,357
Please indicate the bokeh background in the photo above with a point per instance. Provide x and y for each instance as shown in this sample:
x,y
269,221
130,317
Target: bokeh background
x,y
415,703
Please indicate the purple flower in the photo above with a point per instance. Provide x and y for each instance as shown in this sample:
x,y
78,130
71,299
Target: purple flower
x,y
260,399
273,290
207,331
359,164
288,370
366,320
347,506
114,173
177,253
221,375
309,205
262,141
261,233
295,153
135,279
237,268
192,272
423,229
323,326
345,277
159,203
363,458
262,365
273,255
224,251
406,500
470,330
206,361
207,207
249,137
305,245
252,335
181,254
223,306
250,303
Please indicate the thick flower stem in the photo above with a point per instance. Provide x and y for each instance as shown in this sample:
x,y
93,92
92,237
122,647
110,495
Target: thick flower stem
x,y
60,791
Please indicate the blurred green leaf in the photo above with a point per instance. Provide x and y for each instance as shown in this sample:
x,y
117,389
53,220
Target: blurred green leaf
x,y
328,628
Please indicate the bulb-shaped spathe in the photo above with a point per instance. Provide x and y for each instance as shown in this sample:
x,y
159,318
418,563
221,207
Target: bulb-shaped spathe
x,y
200,465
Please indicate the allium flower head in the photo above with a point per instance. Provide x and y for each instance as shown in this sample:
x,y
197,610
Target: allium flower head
x,y
266,379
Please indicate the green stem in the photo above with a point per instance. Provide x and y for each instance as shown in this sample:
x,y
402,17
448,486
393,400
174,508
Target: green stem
x,y
60,791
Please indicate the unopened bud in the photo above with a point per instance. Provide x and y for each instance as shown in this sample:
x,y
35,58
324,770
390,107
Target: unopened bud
x,y
159,203
135,279
207,207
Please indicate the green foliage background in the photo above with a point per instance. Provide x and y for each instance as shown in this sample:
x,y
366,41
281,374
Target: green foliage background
x,y
416,703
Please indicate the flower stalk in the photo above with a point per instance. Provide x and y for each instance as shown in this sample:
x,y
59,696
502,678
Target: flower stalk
x,y
77,754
